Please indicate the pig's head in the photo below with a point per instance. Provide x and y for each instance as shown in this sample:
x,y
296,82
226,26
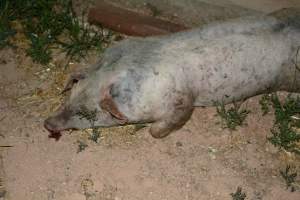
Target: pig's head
x,y
90,105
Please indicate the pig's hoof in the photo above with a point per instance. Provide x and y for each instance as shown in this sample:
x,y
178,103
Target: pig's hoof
x,y
160,129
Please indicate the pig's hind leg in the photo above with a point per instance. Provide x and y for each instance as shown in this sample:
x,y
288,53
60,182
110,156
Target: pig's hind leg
x,y
174,118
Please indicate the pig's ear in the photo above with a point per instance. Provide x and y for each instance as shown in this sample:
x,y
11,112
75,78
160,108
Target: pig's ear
x,y
108,104
74,78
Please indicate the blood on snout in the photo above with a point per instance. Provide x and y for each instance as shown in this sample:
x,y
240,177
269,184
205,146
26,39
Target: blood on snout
x,y
52,133
55,135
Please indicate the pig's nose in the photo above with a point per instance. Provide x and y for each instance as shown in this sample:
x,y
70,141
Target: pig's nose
x,y
50,126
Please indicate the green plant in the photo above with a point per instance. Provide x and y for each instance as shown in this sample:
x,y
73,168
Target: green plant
x,y
92,117
39,49
49,24
289,177
85,113
265,103
96,133
284,133
81,146
232,117
238,195
82,38
138,127
6,16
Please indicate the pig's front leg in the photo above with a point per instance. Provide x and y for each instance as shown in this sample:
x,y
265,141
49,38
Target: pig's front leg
x,y
176,115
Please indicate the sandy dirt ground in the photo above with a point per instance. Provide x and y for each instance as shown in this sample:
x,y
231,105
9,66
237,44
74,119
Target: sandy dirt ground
x,y
201,161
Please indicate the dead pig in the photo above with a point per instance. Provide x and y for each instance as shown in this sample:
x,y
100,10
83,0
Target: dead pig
x,y
160,80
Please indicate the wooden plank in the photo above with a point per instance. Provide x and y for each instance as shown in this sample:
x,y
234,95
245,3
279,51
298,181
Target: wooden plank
x,y
129,22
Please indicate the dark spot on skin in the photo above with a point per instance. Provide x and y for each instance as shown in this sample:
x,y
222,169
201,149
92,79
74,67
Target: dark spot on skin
x,y
135,76
129,85
115,91
179,103
237,87
122,93
200,67
288,17
220,87
247,33
225,76
256,77
278,27
244,69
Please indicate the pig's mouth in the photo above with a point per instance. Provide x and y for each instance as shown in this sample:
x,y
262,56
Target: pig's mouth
x,y
54,132
55,135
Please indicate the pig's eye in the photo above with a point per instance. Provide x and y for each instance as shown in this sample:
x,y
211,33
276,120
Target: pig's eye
x,y
72,80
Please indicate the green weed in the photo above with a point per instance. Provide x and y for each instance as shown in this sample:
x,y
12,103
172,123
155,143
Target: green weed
x,y
91,116
85,113
284,131
232,117
96,133
6,16
82,38
39,49
81,146
289,177
238,195
265,103
49,24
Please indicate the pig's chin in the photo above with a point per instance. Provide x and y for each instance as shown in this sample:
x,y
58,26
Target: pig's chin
x,y
56,132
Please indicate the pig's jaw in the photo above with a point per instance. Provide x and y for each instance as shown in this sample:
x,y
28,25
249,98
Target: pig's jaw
x,y
54,131
56,134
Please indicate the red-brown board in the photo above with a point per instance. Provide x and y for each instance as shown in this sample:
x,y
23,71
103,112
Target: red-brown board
x,y
129,22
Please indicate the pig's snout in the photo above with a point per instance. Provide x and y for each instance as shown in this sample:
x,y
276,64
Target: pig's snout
x,y
51,126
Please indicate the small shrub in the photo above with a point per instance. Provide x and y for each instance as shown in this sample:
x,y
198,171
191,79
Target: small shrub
x,y
6,16
238,195
39,49
49,24
85,113
289,177
265,103
92,117
233,116
96,133
284,131
81,146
